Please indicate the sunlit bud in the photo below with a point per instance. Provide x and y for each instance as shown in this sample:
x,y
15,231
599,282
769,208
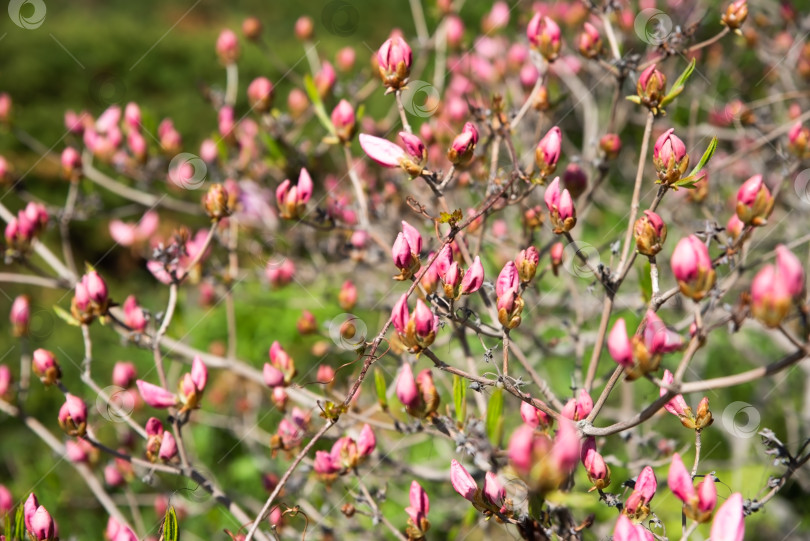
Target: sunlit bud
x,y
452,280
579,408
598,472
692,267
20,316
651,87
394,60
417,154
252,28
227,47
325,79
510,304
345,59
215,202
463,146
646,484
670,157
123,374
6,381
526,263
406,389
754,202
5,108
424,319
575,180
156,396
417,510
292,200
366,441
343,120
626,530
729,521
611,145
735,15
444,260
382,151
304,28
168,447
462,481
658,338
42,525
473,278
406,250
544,35
547,152
679,480
650,232
560,207
493,490
273,377
347,298
619,345
260,94
45,366
73,416
454,31
590,43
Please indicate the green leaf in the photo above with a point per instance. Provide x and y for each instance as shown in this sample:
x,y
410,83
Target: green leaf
x,y
320,110
703,159
678,86
645,282
64,315
171,530
634,99
379,383
460,399
19,524
494,422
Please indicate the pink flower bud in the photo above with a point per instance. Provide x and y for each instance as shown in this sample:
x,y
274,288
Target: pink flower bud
x,y
424,319
545,36
575,180
420,505
280,275
71,162
45,366
473,278
6,380
75,452
651,87
526,263
5,107
345,58
260,94
707,494
123,374
199,373
679,480
394,59
646,484
343,119
109,119
20,316
73,415
734,17
533,416
692,267
325,463
462,481
382,151
754,202
677,406
134,316
560,207
619,345
670,157
400,315
658,338
96,288
42,525
590,42
566,449
406,389
154,427
790,270
414,147
650,233
366,442
626,530
770,298
168,447
799,141
493,490
325,79
729,521
497,18
227,47
6,501
155,396
292,200
508,279
29,508
347,298
304,28
611,145
463,146
113,476
454,30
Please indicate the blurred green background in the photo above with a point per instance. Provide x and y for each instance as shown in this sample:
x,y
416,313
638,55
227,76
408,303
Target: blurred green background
x,y
87,55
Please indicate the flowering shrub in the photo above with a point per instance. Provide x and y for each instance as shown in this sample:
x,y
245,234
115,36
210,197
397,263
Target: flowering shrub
x,y
555,242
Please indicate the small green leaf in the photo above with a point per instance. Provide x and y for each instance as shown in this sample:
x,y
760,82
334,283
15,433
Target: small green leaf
x,y
678,86
460,399
64,315
704,159
19,524
320,110
452,219
171,530
634,99
495,416
379,383
645,282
